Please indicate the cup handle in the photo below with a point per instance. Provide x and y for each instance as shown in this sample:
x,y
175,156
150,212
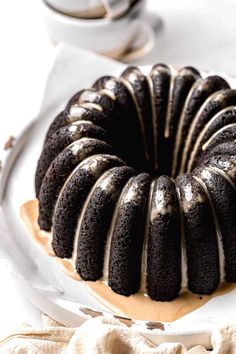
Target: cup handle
x,y
115,8
149,25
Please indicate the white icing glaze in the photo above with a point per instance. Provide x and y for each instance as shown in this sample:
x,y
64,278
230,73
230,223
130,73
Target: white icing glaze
x,y
105,182
139,114
109,93
132,194
181,124
204,147
72,128
111,85
184,276
159,205
206,174
90,164
154,120
214,169
78,145
145,241
217,96
182,73
228,166
202,133
91,105
188,192
81,122
169,106
77,232
88,95
133,76
76,110
190,198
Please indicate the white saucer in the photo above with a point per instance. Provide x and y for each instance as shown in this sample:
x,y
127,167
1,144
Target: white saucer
x,y
37,275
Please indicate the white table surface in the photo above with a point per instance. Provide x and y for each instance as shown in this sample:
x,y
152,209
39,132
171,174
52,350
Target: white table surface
x,y
200,33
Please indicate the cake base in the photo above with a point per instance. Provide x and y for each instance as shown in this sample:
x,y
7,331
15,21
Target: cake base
x,y
137,306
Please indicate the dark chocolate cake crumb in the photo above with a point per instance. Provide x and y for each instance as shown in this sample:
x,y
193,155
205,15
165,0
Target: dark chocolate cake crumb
x,y
9,143
127,321
90,312
155,325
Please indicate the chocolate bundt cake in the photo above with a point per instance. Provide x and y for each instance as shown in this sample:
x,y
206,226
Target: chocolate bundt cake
x,y
137,182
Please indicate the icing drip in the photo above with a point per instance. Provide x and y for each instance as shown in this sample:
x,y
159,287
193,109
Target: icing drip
x,y
202,133
154,121
145,241
207,175
215,97
215,169
108,93
220,131
169,108
139,114
184,282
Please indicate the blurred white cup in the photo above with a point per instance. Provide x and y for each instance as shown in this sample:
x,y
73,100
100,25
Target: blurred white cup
x,y
123,37
105,35
91,8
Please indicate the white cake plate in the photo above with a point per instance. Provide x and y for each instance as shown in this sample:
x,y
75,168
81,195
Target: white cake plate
x,y
38,275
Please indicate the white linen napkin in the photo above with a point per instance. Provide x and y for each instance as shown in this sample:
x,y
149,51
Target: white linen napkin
x,y
104,335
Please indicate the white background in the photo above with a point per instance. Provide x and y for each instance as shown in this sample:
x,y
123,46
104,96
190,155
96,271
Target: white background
x,y
197,32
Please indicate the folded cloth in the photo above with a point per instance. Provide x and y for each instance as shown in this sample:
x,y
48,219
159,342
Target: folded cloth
x,y
103,335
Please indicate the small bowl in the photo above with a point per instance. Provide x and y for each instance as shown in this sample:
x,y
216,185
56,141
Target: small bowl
x,y
106,36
